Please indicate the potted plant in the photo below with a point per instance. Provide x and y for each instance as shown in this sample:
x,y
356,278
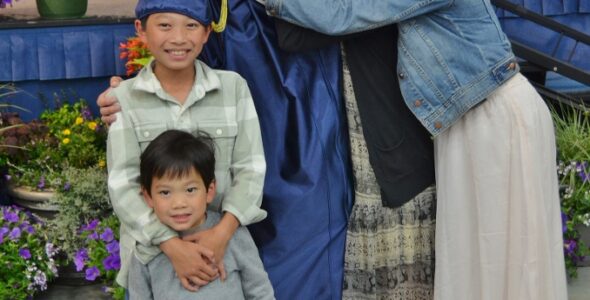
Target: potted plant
x,y
40,151
56,9
62,9
572,127
26,255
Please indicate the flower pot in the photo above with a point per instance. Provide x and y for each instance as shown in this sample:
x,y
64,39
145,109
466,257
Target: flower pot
x,y
62,9
36,202
585,237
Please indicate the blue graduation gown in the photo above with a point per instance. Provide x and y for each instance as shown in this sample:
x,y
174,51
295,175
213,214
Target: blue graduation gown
x,y
308,188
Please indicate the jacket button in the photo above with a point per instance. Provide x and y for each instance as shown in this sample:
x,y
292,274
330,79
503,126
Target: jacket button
x,y
437,125
418,103
401,75
512,66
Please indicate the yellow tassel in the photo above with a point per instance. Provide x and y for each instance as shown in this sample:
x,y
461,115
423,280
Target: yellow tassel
x,y
219,27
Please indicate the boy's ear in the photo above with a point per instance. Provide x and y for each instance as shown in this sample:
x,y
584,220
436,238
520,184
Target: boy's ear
x,y
147,198
211,190
140,30
208,30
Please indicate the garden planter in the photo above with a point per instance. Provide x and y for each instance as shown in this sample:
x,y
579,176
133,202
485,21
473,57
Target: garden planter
x,y
585,237
62,9
36,202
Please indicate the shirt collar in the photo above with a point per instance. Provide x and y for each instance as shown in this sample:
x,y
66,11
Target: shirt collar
x,y
206,79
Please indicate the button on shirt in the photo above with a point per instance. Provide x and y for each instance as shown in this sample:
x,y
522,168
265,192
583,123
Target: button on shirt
x,y
219,105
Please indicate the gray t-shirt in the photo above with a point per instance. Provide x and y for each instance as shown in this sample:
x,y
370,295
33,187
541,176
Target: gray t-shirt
x,y
246,278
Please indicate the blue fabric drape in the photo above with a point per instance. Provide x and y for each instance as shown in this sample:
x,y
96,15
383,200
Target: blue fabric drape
x,y
62,52
307,191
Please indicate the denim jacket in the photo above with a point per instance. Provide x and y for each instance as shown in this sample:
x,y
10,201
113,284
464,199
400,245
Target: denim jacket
x,y
451,53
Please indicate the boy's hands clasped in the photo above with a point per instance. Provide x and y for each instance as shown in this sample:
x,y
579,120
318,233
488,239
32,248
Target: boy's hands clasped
x,y
216,239
194,264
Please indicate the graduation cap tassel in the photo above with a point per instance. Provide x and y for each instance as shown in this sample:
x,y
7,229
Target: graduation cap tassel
x,y
220,26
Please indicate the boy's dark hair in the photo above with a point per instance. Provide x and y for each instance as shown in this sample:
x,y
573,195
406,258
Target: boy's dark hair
x,y
175,153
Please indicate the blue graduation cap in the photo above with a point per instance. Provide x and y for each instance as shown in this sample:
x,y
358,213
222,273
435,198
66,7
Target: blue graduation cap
x,y
195,9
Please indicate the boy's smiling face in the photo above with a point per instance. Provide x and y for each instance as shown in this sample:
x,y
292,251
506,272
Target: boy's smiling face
x,y
180,202
174,40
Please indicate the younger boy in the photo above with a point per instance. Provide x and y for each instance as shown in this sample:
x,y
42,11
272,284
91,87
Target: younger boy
x,y
176,91
178,181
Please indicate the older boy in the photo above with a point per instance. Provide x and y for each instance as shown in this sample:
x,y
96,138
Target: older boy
x,y
178,181
177,91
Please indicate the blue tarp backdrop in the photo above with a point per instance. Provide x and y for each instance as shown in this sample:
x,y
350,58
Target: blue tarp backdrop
x,y
44,61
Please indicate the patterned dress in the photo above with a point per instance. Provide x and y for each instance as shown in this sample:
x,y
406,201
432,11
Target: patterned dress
x,y
389,252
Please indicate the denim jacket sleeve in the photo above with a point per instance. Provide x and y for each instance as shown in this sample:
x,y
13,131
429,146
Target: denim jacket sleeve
x,y
338,17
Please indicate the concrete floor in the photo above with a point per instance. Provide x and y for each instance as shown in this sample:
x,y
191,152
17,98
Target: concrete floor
x,y
578,289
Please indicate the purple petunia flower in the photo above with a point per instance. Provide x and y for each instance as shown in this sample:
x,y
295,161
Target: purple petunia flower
x,y
15,233
67,186
7,177
80,258
3,232
10,216
24,253
90,226
92,273
86,114
112,262
113,247
570,247
93,236
563,222
41,184
107,235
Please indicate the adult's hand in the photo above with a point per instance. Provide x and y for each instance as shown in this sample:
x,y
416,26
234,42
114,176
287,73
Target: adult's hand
x,y
109,105
194,264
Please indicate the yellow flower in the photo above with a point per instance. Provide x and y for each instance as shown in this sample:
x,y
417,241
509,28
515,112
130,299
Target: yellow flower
x,y
79,120
66,132
66,141
92,125
101,163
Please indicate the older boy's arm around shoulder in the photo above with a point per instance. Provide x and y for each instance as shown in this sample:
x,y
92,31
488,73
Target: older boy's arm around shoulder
x,y
255,281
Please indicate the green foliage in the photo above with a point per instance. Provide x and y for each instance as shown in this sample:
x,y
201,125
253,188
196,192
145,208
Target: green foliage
x,y
26,257
572,130
85,198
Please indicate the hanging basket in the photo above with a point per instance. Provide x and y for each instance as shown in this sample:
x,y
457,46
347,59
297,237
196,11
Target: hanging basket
x,y
62,9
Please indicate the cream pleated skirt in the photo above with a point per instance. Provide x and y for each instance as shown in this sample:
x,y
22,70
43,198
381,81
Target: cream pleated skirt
x,y
498,226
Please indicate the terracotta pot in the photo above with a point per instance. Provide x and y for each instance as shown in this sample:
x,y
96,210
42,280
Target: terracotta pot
x,y
36,202
62,9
